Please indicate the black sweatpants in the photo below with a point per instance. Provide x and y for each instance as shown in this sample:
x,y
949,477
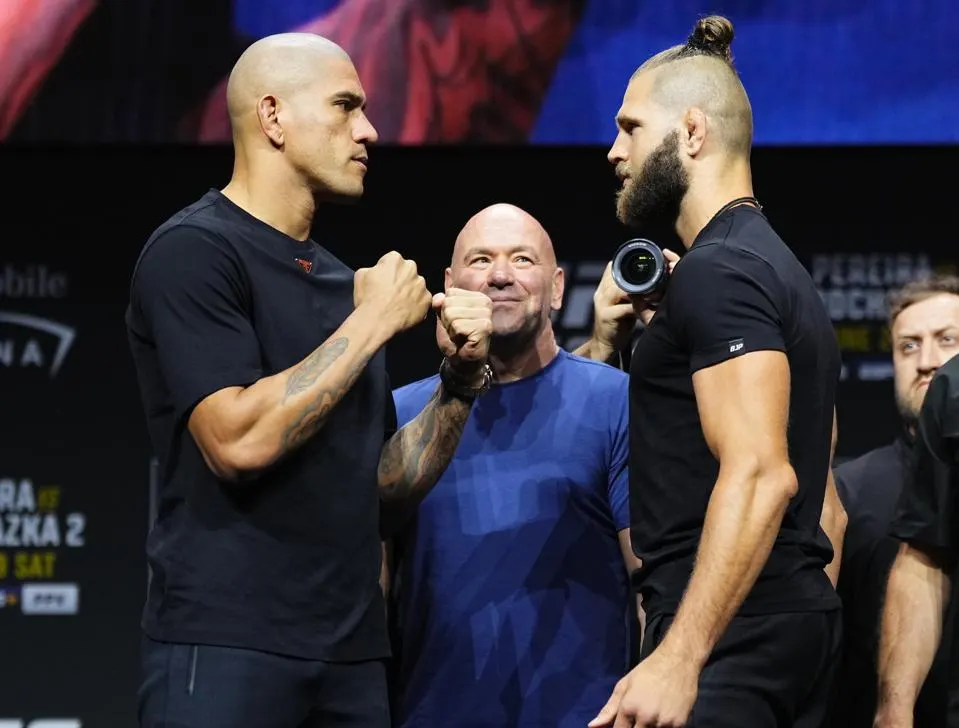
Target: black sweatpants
x,y
766,671
200,686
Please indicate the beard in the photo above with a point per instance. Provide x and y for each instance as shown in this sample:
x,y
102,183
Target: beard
x,y
908,411
651,199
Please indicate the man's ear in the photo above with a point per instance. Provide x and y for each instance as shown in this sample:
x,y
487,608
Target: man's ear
x,y
694,131
559,287
267,113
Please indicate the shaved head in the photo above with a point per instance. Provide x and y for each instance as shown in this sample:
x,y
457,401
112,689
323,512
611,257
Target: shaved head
x,y
298,112
503,221
685,118
708,84
278,65
506,253
701,74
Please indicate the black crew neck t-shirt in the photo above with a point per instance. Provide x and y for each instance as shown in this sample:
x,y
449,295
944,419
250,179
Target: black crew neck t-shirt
x,y
738,289
287,563
927,514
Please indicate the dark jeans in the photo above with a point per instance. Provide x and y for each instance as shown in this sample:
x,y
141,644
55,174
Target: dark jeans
x,y
766,671
201,686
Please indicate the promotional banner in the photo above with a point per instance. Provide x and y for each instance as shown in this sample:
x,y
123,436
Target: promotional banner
x,y
75,462
72,495
478,71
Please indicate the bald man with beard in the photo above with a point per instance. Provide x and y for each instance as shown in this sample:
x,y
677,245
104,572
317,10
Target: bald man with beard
x,y
512,581
260,363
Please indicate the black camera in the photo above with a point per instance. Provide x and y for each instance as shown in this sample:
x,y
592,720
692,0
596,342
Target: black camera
x,y
640,268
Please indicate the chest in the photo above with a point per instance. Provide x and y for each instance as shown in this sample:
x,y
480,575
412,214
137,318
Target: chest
x,y
511,472
294,309
661,361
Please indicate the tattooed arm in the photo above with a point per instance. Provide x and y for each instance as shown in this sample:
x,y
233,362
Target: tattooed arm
x,y
416,456
241,431
443,71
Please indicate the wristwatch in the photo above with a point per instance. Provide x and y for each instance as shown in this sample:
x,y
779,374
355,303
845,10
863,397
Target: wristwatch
x,y
461,388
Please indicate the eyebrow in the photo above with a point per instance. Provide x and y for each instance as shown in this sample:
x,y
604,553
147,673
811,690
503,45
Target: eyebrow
x,y
353,98
919,334
483,250
623,121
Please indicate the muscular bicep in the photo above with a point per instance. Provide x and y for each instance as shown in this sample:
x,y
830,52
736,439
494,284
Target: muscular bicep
x,y
744,409
214,423
188,305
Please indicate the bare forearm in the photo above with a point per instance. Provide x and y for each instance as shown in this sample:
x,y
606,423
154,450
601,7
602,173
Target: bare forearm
x,y
277,414
742,520
916,596
415,457
833,522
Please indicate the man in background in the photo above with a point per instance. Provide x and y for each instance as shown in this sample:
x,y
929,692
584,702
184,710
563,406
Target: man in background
x,y
924,335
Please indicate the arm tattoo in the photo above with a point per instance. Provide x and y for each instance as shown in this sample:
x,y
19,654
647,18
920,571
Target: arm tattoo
x,y
416,456
311,368
312,416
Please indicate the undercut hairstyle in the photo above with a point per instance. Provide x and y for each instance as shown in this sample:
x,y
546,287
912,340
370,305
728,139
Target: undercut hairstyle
x,y
701,73
919,290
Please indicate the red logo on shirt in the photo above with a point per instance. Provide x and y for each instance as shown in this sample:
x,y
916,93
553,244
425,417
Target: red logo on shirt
x,y
306,265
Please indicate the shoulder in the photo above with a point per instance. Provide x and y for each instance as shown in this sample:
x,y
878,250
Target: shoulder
x,y
192,236
723,261
595,390
602,375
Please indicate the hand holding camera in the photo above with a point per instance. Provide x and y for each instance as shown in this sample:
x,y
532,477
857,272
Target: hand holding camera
x,y
641,270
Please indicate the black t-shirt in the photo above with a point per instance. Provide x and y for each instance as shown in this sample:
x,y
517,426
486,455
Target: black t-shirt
x,y
869,488
927,515
288,563
737,290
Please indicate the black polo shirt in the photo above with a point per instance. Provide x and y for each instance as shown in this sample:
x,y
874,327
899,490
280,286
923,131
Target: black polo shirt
x,y
288,563
738,289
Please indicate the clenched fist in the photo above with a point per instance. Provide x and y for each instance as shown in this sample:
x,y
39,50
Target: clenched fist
x,y
464,325
394,291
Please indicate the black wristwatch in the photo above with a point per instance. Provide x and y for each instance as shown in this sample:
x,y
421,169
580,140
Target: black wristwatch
x,y
462,389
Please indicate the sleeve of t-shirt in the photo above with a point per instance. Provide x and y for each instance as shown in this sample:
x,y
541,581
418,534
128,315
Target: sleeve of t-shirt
x,y
410,399
725,303
190,293
619,460
926,512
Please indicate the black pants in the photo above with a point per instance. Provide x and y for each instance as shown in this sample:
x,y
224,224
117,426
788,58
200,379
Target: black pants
x,y
199,686
766,671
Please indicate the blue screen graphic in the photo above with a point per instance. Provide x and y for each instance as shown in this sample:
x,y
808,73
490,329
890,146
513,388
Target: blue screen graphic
x,y
819,72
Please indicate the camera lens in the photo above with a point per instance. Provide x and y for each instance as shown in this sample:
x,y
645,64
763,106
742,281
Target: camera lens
x,y
639,267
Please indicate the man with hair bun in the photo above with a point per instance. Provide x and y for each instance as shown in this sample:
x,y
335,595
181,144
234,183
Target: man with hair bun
x,y
732,421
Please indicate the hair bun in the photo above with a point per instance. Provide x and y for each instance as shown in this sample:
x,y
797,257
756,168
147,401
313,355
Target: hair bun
x,y
713,35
